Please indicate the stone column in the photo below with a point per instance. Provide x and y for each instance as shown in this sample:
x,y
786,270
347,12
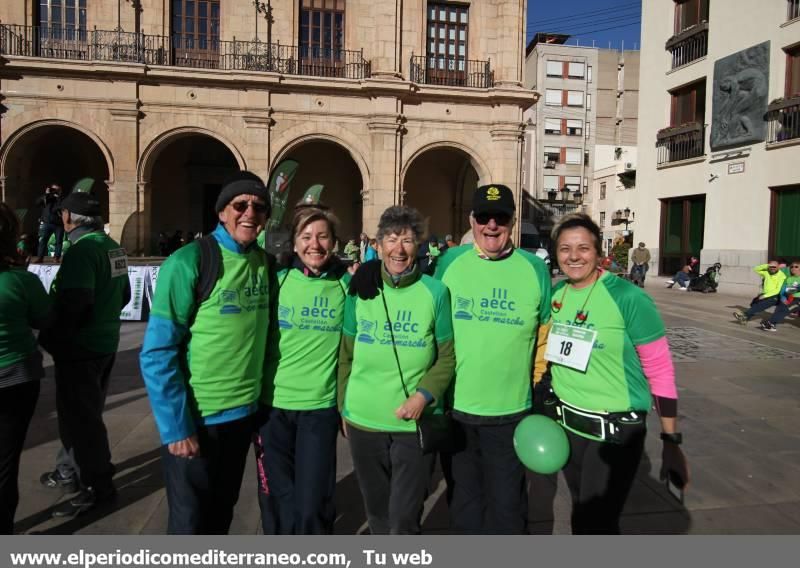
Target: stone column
x,y
510,29
387,19
257,138
507,162
124,206
383,188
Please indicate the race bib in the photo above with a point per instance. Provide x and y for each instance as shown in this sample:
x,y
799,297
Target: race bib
x,y
570,346
118,261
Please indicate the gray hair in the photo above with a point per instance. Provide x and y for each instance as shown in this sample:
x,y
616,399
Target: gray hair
x,y
397,218
94,221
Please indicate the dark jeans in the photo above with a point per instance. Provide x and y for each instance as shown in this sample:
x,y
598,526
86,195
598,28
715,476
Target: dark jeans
x,y
760,305
81,388
393,475
486,487
296,460
599,476
203,491
46,230
782,310
17,404
682,279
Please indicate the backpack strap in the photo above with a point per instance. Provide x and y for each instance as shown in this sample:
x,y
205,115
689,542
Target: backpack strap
x,y
210,269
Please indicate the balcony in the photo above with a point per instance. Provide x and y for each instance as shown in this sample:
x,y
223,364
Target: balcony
x,y
451,72
689,45
678,143
180,51
793,10
783,116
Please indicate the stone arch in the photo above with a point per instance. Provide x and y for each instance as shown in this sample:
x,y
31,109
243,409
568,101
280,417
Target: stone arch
x,y
158,143
20,133
294,137
425,142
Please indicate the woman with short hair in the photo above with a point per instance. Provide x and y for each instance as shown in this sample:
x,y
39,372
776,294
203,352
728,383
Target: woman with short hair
x,y
24,306
297,435
395,363
602,396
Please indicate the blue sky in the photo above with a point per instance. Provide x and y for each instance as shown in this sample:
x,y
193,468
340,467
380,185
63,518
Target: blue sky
x,y
586,20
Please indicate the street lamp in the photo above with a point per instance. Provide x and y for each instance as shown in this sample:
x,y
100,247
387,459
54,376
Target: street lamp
x,y
266,9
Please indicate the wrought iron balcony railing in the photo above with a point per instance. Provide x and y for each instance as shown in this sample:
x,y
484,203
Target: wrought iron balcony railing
x,y
783,118
689,45
680,143
451,71
181,51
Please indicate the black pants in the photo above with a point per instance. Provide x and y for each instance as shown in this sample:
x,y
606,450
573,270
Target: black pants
x,y
393,475
81,388
296,460
600,476
203,491
17,404
46,230
486,487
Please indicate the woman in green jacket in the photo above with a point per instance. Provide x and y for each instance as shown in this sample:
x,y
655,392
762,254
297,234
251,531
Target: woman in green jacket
x,y
395,363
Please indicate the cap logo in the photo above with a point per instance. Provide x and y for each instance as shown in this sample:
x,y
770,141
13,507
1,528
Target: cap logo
x,y
492,194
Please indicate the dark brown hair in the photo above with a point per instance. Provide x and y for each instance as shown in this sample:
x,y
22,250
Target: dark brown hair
x,y
9,233
576,221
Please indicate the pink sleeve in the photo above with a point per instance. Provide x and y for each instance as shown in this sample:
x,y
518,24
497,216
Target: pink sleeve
x,y
658,369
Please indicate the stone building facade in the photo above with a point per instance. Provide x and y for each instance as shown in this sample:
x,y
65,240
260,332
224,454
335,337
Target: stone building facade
x,y
719,136
382,101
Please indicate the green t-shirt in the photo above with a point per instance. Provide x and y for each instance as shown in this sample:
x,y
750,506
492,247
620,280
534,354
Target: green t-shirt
x,y
228,337
624,317
97,263
420,318
23,301
302,360
498,306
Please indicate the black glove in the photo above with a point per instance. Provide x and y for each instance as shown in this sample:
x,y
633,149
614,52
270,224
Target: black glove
x,y
367,281
674,462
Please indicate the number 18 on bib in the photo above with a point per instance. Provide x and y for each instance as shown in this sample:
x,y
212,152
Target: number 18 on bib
x,y
570,346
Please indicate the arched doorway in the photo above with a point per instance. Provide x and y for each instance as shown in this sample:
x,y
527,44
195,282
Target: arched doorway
x,y
330,164
185,178
51,153
439,183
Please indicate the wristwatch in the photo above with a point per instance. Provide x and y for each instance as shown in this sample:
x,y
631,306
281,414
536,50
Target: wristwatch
x,y
675,438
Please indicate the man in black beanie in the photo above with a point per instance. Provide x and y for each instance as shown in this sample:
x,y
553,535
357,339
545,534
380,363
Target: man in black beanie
x,y
203,357
89,291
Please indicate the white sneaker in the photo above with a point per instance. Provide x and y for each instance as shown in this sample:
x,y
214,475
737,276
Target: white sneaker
x,y
669,283
683,288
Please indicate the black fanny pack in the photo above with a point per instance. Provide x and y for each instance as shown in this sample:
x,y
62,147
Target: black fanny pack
x,y
613,427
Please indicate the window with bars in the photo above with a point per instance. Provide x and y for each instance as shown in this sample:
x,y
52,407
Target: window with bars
x,y
195,31
322,29
63,19
448,30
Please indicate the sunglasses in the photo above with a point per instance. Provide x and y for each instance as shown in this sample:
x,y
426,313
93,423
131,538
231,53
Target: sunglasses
x,y
241,207
499,218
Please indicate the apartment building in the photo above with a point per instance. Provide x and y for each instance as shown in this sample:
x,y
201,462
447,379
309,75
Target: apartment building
x,y
719,134
585,122
159,100
614,156
559,135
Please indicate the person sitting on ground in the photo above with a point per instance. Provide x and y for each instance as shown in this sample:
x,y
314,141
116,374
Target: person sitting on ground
x,y
681,278
789,298
770,292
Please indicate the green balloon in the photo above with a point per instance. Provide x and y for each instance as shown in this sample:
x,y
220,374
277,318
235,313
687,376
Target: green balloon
x,y
541,444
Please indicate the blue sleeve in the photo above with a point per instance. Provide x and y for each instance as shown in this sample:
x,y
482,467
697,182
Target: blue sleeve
x,y
164,379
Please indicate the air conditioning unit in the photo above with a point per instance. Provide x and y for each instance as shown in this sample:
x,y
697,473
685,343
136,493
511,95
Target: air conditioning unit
x,y
550,164
630,166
